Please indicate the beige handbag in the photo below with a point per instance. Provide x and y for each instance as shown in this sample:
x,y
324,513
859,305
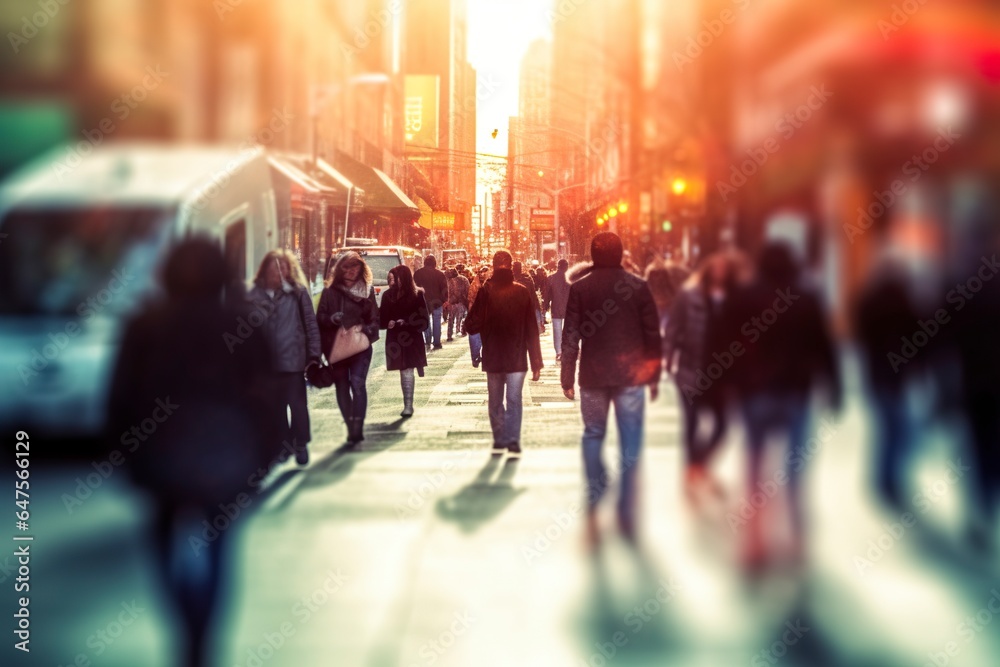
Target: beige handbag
x,y
347,343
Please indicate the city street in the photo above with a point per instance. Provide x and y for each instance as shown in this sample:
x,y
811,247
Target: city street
x,y
420,549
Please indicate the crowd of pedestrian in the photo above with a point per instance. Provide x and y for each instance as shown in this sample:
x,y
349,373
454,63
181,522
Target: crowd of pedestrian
x,y
741,339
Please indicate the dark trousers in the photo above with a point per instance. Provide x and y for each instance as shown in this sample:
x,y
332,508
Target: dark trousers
x,y
713,405
290,392
192,575
351,382
984,423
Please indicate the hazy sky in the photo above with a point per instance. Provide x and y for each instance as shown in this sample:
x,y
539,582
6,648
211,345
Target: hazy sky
x,y
499,34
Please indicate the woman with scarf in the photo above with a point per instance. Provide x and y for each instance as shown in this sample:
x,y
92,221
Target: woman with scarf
x,y
349,300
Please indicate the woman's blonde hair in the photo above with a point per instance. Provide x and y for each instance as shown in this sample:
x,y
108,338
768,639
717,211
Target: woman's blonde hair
x,y
295,274
345,258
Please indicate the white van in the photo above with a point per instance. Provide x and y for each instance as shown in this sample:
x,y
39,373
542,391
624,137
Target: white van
x,y
81,245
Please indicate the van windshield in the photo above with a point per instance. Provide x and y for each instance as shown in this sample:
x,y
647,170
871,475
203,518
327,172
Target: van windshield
x,y
64,261
380,266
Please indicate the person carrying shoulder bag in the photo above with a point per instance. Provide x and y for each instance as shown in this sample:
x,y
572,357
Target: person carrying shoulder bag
x,y
348,303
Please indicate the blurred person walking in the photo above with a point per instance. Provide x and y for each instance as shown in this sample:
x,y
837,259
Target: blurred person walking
x,y
665,280
476,339
977,321
612,328
435,286
783,363
290,328
348,301
505,317
528,282
403,314
542,283
185,361
696,334
558,296
884,315
458,301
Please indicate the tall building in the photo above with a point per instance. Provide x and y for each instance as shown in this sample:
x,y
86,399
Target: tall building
x,y
531,163
442,95
596,118
301,80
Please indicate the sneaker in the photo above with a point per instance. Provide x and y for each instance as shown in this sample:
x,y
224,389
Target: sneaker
x,y
514,449
498,449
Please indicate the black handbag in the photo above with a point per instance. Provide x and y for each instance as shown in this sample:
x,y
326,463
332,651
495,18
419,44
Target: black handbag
x,y
320,375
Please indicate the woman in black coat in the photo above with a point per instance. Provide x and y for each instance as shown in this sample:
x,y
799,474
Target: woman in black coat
x,y
403,315
349,300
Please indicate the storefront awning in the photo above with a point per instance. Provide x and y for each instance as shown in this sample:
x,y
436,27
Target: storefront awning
x,y
382,196
298,172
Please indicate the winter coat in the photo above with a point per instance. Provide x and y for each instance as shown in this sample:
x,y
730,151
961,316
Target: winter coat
x,y
792,354
665,283
505,316
558,294
612,327
356,310
404,344
203,371
529,284
434,284
884,315
458,290
696,329
289,327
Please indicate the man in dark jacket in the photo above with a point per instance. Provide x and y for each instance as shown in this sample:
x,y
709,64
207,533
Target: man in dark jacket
x,y
613,327
505,316
435,286
558,295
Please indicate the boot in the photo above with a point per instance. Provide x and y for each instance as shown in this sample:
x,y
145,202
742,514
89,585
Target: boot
x,y
407,382
355,430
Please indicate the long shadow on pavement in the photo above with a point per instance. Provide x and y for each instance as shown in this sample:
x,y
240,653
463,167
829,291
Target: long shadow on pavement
x,y
483,499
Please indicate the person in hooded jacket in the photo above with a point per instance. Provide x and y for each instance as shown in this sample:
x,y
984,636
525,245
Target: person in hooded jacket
x,y
612,328
403,314
349,300
280,292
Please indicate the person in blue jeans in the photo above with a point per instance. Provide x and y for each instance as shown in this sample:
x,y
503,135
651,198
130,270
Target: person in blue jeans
x,y
613,329
504,314
435,286
475,339
776,376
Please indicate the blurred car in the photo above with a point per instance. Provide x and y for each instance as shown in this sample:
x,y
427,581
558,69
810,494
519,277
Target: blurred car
x,y
81,242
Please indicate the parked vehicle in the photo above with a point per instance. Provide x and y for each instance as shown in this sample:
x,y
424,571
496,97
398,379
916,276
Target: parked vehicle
x,y
81,245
